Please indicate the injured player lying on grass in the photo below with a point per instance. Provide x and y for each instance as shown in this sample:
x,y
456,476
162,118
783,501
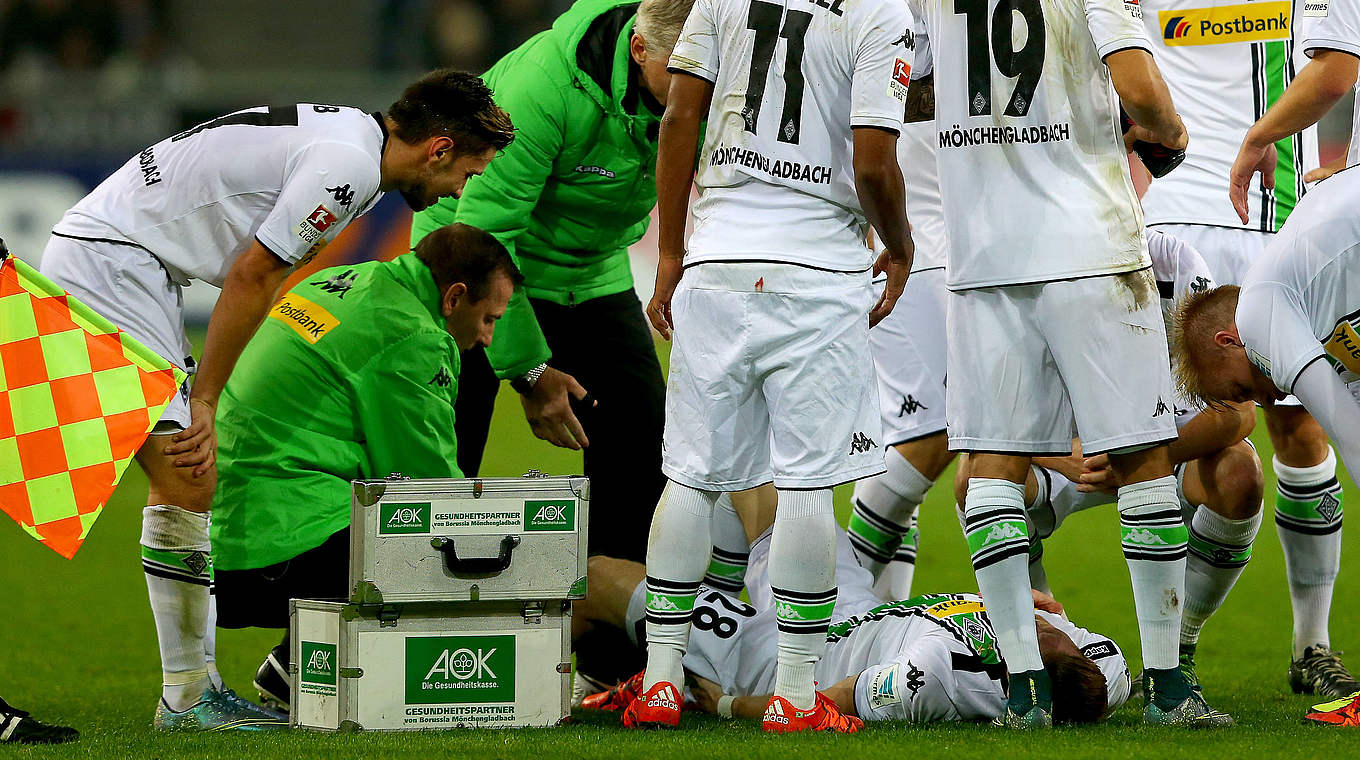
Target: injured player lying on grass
x,y
930,658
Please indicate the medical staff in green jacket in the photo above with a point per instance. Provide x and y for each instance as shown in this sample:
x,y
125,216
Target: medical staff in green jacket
x,y
568,198
352,375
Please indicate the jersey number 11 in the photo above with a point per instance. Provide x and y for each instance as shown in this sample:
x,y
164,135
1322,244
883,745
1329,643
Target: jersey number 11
x,y
764,19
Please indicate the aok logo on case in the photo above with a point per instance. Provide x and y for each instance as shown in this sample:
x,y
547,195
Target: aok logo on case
x,y
400,519
1253,22
318,667
459,669
550,514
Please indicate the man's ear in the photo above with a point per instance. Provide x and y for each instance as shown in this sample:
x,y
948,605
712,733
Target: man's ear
x,y
1227,339
439,148
451,296
637,47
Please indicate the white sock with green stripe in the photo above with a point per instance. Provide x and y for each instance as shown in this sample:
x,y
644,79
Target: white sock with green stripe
x,y
178,567
803,582
1308,520
1154,538
1219,549
994,524
731,550
677,555
884,509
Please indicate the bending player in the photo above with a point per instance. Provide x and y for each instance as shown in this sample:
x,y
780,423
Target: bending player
x,y
1218,475
770,374
238,202
930,658
1292,326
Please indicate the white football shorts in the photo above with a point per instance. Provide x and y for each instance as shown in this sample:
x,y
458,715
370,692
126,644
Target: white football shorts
x,y
1033,366
130,288
771,379
909,358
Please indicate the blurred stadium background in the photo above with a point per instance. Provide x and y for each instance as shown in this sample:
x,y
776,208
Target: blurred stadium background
x,y
85,84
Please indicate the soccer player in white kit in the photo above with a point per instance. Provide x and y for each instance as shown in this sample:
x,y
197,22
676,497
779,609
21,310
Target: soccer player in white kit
x,y
1292,326
1225,77
237,202
909,360
771,374
1047,261
929,658
1218,475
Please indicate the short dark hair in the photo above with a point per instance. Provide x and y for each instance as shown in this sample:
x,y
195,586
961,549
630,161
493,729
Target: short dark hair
x,y
462,253
1079,691
453,104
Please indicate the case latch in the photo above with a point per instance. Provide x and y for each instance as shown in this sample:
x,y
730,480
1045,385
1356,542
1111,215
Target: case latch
x,y
533,613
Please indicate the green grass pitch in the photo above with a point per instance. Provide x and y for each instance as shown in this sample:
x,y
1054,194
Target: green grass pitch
x,y
77,646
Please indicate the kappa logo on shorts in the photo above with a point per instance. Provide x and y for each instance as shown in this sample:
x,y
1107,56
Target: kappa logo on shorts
x,y
861,443
1162,408
910,405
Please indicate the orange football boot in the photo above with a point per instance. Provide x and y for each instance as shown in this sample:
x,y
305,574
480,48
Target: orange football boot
x,y
781,717
658,707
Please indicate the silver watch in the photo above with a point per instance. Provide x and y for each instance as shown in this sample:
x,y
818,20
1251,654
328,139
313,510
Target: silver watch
x,y
526,382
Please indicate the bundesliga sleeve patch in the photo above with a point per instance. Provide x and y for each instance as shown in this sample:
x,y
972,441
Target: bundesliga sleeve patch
x,y
1134,10
316,223
901,80
884,691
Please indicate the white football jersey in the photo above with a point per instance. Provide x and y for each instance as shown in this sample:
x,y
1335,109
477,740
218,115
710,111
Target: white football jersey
x,y
925,209
290,176
1033,171
1226,62
791,78
1300,301
1334,25
1179,270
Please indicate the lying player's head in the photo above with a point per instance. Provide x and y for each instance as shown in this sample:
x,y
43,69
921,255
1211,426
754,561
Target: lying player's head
x,y
475,276
655,31
1079,689
454,129
1211,362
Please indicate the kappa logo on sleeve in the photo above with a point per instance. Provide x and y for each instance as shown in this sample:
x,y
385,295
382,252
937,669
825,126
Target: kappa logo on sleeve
x,y
316,223
306,318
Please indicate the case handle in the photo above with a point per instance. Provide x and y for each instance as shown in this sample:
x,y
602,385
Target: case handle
x,y
475,565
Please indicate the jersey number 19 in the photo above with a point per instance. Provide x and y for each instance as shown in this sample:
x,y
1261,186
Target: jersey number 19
x,y
1026,64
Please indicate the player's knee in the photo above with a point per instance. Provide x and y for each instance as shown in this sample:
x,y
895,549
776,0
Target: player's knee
x,y
180,488
1240,482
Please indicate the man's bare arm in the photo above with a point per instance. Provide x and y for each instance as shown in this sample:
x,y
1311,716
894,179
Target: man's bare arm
x,y
883,196
1213,430
1145,96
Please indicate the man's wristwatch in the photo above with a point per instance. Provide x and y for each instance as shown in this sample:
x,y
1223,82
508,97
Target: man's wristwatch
x,y
524,384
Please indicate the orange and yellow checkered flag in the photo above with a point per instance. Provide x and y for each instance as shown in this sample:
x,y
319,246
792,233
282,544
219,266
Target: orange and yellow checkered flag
x,y
77,398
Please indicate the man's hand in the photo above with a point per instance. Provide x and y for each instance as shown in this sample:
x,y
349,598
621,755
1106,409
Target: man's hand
x,y
668,272
547,407
1326,170
897,266
1046,602
706,693
1251,159
1097,475
198,442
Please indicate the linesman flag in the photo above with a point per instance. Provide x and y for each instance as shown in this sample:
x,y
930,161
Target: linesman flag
x,y
77,398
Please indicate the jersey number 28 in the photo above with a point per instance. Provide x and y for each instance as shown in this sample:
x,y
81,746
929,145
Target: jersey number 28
x,y
1025,64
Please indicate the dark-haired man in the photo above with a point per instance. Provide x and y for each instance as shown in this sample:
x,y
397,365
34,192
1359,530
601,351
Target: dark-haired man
x,y
374,351
930,658
237,202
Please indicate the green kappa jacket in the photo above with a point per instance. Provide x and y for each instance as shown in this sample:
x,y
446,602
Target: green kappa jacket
x,y
352,375
578,183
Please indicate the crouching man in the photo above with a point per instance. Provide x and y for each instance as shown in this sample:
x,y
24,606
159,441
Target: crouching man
x,y
353,374
1292,329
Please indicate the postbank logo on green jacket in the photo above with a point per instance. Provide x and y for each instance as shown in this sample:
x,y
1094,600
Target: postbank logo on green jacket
x,y
1217,25
304,317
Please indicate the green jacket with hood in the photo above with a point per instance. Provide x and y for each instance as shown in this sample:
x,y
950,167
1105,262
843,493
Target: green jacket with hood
x,y
576,187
